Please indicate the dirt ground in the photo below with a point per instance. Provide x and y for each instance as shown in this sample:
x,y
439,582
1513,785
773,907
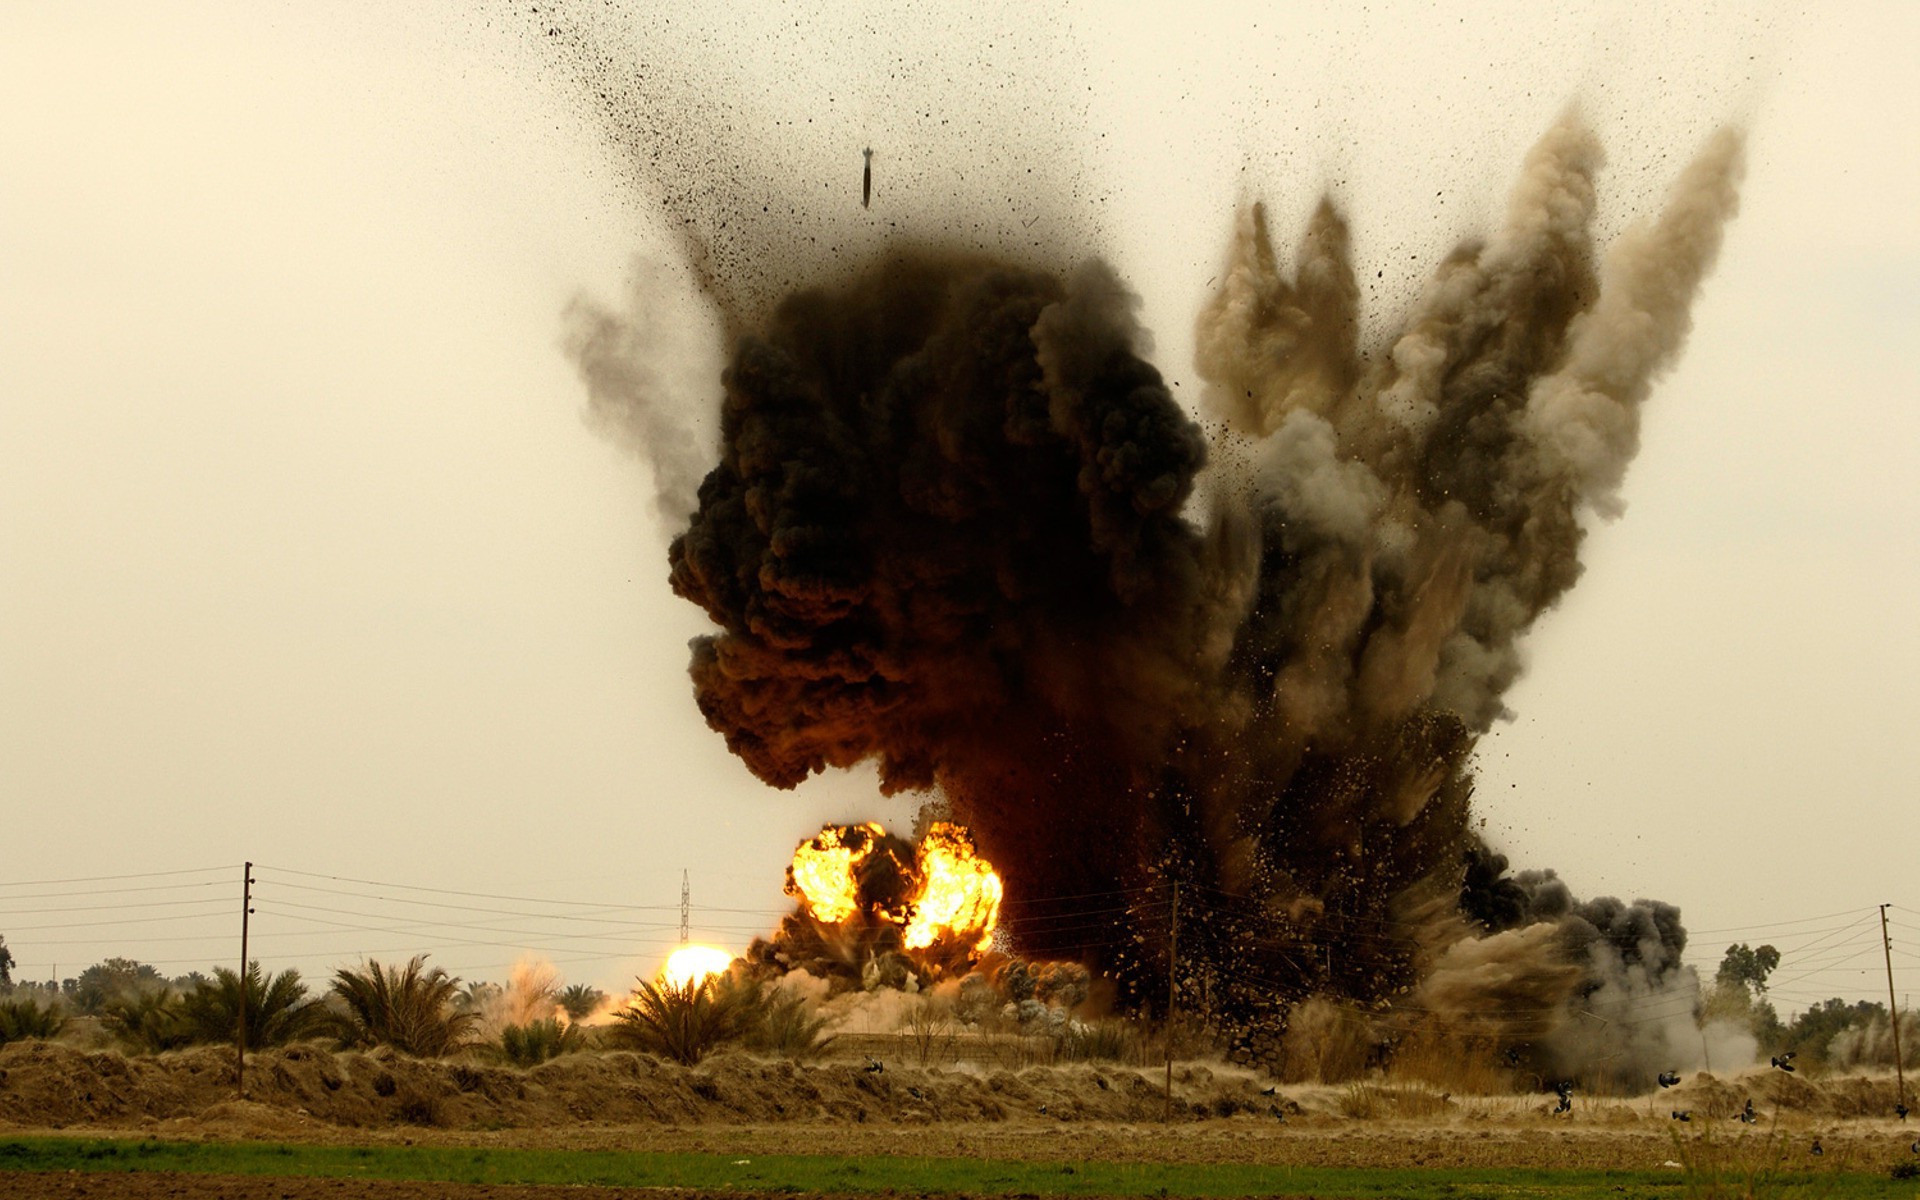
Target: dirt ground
x,y
737,1105
162,1185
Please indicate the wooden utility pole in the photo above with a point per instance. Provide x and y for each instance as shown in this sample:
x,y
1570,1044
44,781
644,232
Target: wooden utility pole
x,y
1893,1014
1173,959
240,1029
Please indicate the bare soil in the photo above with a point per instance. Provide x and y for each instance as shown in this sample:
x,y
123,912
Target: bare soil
x,y
738,1105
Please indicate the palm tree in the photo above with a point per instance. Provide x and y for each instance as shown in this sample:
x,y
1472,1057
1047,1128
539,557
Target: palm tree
x,y
683,1023
580,999
535,1042
278,1010
25,1015
785,1024
148,1018
409,1008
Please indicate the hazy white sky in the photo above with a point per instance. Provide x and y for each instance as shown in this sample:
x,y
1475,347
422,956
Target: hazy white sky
x,y
307,556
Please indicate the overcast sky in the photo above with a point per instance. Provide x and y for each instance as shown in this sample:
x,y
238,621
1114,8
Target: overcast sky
x,y
308,557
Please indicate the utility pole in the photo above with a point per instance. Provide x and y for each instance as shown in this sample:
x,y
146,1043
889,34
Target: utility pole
x,y
240,1030
1893,1014
686,906
1173,960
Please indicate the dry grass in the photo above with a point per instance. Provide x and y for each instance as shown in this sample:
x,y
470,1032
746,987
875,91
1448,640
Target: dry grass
x,y
1375,1101
1461,1066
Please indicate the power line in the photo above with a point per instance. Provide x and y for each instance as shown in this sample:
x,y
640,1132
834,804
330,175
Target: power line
x,y
107,878
513,899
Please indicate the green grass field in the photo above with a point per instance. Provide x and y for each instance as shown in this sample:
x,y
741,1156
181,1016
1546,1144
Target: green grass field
x,y
828,1173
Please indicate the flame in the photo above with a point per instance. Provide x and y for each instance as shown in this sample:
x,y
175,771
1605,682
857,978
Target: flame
x,y
689,965
823,872
948,897
959,893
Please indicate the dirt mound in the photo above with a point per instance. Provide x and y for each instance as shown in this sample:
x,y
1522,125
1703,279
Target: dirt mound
x,y
1779,1092
1707,1095
49,1085
296,1090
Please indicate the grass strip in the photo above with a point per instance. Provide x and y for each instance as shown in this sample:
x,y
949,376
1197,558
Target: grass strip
x,y
831,1173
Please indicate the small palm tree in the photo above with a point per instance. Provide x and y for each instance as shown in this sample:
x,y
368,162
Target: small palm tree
x,y
147,1018
278,1009
409,1008
580,999
535,1042
23,1017
682,1023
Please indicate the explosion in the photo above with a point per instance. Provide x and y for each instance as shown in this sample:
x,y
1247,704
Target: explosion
x,y
872,907
961,529
822,875
689,965
959,895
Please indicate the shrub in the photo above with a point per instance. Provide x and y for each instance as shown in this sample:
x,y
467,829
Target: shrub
x,y
408,1008
24,1017
278,1010
535,1042
930,1031
1111,1040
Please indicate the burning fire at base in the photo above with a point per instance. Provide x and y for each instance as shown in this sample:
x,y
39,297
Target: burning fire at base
x,y
875,907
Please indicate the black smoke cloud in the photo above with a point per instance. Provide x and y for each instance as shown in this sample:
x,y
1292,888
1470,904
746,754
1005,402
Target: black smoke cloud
x,y
946,534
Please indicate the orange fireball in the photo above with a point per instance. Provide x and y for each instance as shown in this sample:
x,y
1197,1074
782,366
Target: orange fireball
x,y
959,894
689,965
949,897
823,876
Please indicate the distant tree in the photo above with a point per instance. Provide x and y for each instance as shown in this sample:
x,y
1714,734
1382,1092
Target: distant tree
x,y
477,996
6,965
1743,966
278,1009
580,999
1810,1033
90,990
1739,992
409,1008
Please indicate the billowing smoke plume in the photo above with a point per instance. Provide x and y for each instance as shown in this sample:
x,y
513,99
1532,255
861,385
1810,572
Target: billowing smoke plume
x,y
953,531
959,528
635,365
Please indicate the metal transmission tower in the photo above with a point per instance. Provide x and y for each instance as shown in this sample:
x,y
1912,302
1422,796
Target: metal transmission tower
x,y
686,906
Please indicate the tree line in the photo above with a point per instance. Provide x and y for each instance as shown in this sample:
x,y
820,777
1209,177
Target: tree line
x,y
1835,1032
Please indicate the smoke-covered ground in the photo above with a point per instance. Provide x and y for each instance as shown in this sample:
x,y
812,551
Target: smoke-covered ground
x,y
959,528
